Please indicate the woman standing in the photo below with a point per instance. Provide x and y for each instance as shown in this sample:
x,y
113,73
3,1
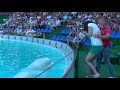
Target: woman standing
x,y
97,47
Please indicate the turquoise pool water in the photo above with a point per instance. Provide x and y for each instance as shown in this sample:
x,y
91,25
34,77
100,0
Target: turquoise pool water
x,y
17,55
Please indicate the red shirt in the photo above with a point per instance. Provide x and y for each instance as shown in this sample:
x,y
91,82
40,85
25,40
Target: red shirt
x,y
104,31
38,22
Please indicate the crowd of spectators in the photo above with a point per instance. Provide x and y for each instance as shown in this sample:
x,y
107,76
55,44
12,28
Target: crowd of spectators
x,y
26,23
31,23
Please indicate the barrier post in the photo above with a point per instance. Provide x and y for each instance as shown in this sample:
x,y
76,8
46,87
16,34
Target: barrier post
x,y
68,40
61,46
76,61
8,37
43,35
20,38
119,57
37,41
56,44
15,37
43,42
26,39
32,39
49,42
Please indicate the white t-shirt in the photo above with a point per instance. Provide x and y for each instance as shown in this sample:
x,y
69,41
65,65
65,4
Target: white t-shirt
x,y
38,17
93,20
18,31
81,35
31,17
34,22
95,30
49,17
6,22
57,22
77,23
65,17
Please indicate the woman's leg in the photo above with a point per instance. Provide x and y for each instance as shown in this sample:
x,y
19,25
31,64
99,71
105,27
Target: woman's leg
x,y
90,57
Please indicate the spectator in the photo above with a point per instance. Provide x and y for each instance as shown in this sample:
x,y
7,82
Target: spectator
x,y
18,30
70,24
58,22
79,38
105,36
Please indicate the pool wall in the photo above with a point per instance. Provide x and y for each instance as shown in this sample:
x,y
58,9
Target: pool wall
x,y
64,48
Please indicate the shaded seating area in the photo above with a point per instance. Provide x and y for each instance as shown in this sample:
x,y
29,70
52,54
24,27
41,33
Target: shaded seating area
x,y
46,30
115,35
61,38
87,42
65,31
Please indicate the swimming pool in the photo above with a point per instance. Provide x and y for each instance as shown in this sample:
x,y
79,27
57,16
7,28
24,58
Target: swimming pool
x,y
34,48
17,55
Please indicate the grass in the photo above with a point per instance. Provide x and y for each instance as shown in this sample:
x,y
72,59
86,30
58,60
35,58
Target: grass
x,y
116,42
115,51
83,70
